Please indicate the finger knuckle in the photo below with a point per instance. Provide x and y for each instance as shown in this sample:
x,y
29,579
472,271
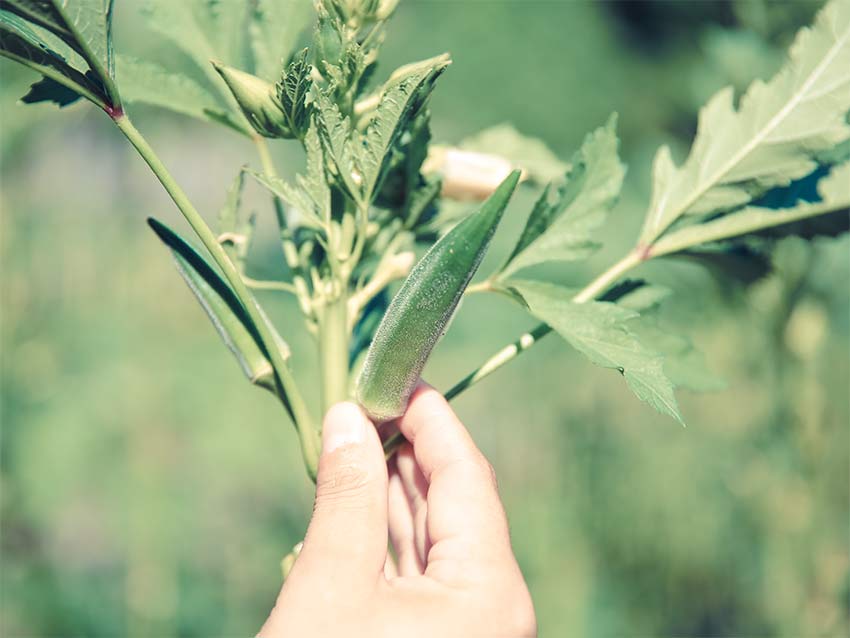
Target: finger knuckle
x,y
346,483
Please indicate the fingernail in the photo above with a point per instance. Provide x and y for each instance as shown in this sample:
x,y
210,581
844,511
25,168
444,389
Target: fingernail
x,y
344,425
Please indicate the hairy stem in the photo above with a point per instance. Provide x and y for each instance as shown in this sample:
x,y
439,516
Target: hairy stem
x,y
292,399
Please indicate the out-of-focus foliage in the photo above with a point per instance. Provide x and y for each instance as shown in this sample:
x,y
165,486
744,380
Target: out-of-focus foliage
x,y
147,491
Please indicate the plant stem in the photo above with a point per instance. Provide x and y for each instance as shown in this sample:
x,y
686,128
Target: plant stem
x,y
290,252
291,396
259,284
333,349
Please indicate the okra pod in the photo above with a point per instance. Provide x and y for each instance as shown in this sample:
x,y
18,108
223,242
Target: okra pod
x,y
421,310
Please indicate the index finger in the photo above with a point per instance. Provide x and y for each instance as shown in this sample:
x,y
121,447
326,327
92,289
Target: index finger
x,y
466,519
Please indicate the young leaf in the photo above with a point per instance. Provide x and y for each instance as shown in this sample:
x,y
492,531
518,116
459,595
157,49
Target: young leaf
x,y
222,307
294,196
336,133
600,330
771,139
833,208
402,97
311,196
292,92
19,42
559,229
148,83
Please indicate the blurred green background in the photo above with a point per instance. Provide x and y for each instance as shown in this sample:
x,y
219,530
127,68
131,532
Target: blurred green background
x,y
148,491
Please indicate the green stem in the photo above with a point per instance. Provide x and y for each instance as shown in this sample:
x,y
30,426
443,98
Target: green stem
x,y
333,349
293,401
290,251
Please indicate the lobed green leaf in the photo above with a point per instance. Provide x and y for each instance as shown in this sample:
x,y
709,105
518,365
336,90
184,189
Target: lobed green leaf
x,y
771,139
559,228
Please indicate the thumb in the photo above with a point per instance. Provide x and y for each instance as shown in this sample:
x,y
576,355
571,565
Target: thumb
x,y
347,536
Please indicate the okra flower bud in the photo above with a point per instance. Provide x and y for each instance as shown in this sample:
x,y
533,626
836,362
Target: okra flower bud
x,y
258,101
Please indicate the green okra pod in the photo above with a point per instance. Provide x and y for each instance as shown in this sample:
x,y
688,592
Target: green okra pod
x,y
422,308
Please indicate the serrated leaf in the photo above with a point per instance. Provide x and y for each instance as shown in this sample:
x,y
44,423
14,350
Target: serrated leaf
x,y
600,331
274,27
684,364
20,42
336,134
294,196
528,153
771,139
402,97
84,25
559,227
203,29
206,30
148,83
222,307
802,219
292,92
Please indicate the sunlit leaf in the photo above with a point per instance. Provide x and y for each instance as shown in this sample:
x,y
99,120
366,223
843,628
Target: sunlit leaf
x,y
601,331
828,216
560,224
771,139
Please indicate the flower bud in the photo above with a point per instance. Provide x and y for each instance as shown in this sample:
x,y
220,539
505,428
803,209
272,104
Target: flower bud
x,y
257,100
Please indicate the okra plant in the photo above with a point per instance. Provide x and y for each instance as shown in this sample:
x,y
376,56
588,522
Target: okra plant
x,y
374,192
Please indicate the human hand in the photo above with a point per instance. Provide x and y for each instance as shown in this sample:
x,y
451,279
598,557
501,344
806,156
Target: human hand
x,y
456,573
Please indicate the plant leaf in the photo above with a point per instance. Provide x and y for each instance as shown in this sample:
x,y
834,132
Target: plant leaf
x,y
274,27
600,330
84,25
203,29
802,219
47,90
773,137
294,196
145,82
19,42
528,153
402,97
684,364
292,91
559,229
335,133
222,307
